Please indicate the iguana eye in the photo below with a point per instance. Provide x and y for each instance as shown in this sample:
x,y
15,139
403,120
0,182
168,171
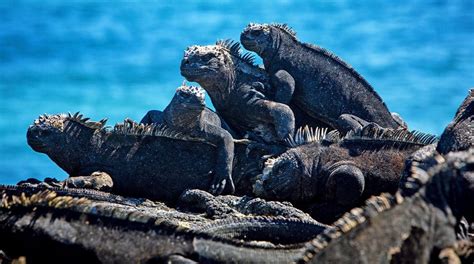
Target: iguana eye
x,y
256,33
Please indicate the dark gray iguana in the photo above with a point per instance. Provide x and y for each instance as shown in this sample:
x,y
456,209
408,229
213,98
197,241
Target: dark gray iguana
x,y
339,172
409,227
143,160
187,113
230,80
69,225
317,81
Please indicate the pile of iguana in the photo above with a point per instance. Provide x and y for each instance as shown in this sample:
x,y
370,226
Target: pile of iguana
x,y
249,145
417,228
151,161
228,77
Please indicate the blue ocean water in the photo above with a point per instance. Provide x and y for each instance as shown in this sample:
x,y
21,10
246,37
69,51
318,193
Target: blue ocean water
x,y
119,59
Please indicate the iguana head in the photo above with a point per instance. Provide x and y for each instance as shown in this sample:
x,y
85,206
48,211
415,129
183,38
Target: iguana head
x,y
45,132
217,67
206,64
264,38
281,178
190,98
185,107
63,137
289,176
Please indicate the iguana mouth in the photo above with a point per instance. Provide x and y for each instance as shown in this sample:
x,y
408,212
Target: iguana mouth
x,y
192,71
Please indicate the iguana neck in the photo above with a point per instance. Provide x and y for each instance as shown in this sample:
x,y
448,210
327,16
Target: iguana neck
x,y
280,42
219,89
177,116
77,143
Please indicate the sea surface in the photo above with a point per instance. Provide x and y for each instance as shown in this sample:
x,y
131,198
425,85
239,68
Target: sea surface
x,y
119,59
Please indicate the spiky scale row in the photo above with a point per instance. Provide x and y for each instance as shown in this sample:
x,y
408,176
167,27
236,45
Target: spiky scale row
x,y
42,198
50,199
130,127
233,47
79,118
193,90
305,135
417,178
285,27
357,216
397,137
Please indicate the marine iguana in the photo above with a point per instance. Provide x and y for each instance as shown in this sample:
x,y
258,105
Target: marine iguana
x,y
233,84
325,87
63,221
414,226
188,114
342,172
398,228
459,134
143,160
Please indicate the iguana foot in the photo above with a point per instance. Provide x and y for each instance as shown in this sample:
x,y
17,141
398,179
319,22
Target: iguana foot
x,y
399,120
348,122
97,180
284,121
47,183
222,183
449,256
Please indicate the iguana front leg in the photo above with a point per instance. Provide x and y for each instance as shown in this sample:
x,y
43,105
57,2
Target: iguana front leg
x,y
97,180
225,156
276,114
284,86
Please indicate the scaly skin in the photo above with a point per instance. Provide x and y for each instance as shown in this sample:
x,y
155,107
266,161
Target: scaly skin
x,y
142,160
416,228
276,230
229,79
72,223
324,87
341,174
187,113
459,134
219,207
47,227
